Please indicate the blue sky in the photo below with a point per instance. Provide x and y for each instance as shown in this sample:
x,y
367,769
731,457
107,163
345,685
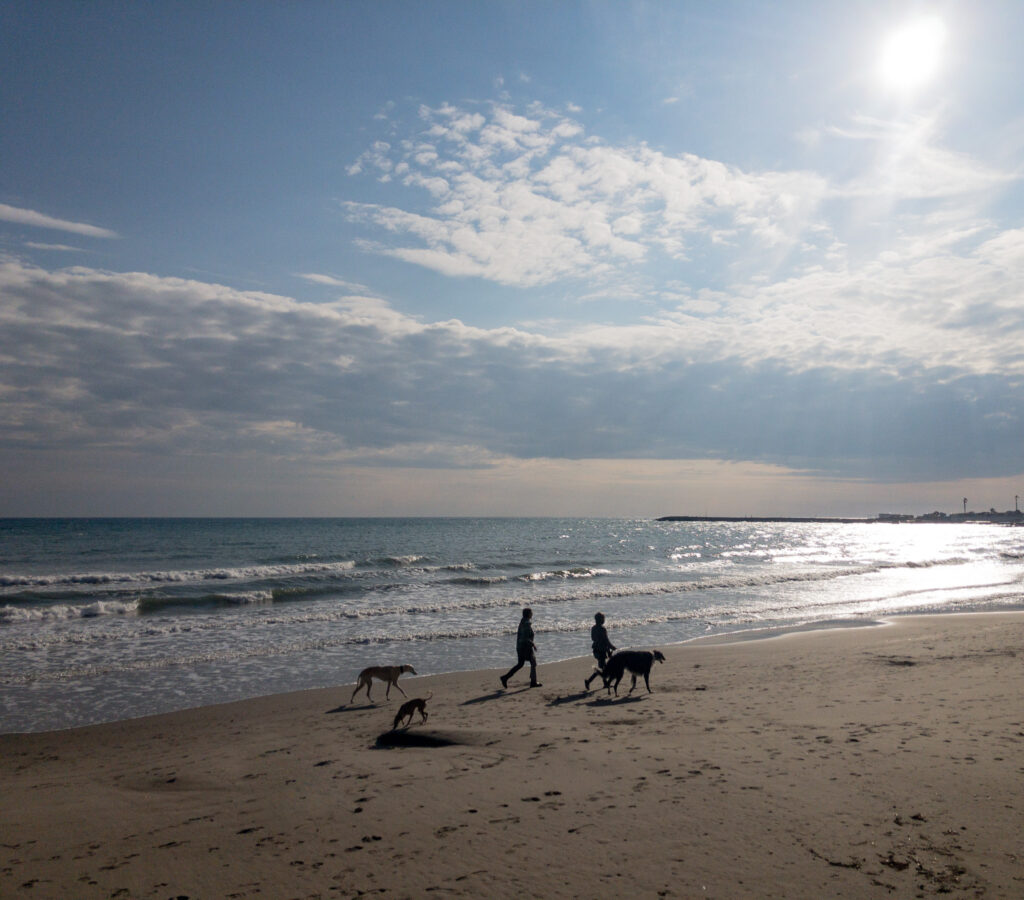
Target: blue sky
x,y
510,258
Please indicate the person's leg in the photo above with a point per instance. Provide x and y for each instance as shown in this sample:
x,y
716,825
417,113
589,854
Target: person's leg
x,y
533,670
522,661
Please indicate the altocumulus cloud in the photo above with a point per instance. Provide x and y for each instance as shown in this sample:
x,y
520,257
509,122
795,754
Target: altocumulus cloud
x,y
159,365
526,200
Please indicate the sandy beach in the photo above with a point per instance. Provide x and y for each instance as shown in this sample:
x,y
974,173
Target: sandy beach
x,y
856,762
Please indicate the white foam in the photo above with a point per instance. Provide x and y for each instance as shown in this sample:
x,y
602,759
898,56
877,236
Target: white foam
x,y
240,573
10,615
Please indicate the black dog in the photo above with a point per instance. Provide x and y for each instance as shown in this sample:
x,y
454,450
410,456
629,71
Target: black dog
x,y
407,709
637,662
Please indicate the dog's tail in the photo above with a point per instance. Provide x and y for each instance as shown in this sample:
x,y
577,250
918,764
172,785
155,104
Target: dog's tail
x,y
431,694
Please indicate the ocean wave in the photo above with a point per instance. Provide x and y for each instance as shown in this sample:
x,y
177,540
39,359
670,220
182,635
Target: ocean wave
x,y
399,562
10,615
480,580
142,605
240,573
924,563
561,574
708,618
300,615
703,617
245,598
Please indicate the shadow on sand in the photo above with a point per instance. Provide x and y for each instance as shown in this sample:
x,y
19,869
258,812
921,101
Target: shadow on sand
x,y
346,708
483,698
569,698
409,738
616,701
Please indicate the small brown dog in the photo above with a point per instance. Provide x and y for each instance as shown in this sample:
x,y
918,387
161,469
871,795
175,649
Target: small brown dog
x,y
387,674
406,710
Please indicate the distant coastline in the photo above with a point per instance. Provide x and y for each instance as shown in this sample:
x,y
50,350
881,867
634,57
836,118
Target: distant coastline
x,y
992,517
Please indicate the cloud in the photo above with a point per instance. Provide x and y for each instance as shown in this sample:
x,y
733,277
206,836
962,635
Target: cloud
x,y
331,281
39,220
909,164
524,197
530,199
36,245
752,322
784,375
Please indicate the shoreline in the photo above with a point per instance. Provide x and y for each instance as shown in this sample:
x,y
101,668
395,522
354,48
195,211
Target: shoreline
x,y
124,621
752,634
842,761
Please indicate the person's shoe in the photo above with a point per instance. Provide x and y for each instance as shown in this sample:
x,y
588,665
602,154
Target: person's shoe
x,y
504,681
536,684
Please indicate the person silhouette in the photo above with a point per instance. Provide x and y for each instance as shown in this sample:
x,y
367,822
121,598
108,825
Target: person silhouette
x,y
525,649
601,645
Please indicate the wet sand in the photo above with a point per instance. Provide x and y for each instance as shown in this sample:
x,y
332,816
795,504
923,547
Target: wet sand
x,y
857,762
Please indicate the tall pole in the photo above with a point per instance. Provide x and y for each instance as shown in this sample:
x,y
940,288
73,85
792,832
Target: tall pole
x,y
965,506
1016,502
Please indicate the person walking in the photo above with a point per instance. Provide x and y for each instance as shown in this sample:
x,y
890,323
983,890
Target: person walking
x,y
601,645
525,649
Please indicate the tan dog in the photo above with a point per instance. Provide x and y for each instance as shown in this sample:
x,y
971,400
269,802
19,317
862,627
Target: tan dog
x,y
406,710
387,674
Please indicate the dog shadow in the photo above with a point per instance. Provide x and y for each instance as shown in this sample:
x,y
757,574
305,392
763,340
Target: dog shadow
x,y
569,698
616,701
406,738
346,708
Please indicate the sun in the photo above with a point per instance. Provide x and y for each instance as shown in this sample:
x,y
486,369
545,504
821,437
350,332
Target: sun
x,y
911,55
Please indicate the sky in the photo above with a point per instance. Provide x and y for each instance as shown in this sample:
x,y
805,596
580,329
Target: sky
x,y
511,258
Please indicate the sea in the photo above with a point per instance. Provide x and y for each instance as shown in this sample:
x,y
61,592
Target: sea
x,y
108,619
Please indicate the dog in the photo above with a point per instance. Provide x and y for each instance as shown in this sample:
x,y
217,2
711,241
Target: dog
x,y
406,710
637,662
387,674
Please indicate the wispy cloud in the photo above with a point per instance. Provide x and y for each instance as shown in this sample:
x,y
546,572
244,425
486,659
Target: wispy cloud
x,y
908,162
332,281
40,220
36,245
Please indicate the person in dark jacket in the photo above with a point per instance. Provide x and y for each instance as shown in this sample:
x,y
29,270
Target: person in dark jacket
x,y
526,650
601,645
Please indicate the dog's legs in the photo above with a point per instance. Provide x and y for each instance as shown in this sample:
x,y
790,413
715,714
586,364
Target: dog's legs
x,y
633,685
359,686
397,685
647,681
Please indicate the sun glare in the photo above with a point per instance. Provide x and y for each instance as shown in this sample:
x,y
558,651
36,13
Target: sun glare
x,y
911,54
